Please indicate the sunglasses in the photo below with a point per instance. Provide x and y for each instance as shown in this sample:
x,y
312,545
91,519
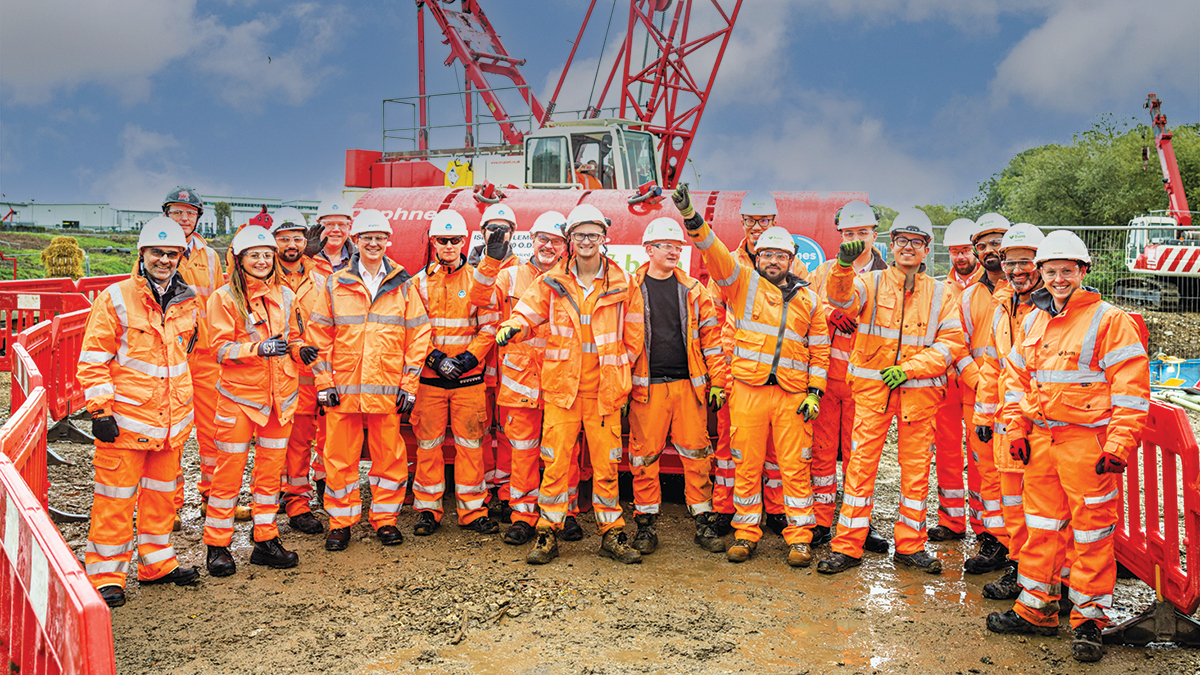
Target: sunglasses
x,y
448,241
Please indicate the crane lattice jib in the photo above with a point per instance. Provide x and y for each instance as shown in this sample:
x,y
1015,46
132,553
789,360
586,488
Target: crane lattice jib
x,y
1172,181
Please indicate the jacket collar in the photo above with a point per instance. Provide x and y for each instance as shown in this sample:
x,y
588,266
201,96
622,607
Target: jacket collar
x,y
1080,298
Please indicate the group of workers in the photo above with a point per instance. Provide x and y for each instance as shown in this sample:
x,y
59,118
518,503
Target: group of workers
x,y
302,350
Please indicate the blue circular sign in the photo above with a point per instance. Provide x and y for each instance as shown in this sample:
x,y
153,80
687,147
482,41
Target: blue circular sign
x,y
808,251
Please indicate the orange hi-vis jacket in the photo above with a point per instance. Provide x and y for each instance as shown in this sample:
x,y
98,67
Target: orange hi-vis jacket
x,y
371,347
306,282
841,344
500,286
258,384
325,268
1007,313
917,330
701,334
458,325
780,333
1082,367
133,364
616,322
952,279
975,311
201,269
491,371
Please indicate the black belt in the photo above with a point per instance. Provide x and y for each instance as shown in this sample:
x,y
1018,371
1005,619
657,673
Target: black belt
x,y
453,384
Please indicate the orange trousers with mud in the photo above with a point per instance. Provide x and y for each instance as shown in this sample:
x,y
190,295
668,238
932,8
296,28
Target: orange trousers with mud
x,y
671,408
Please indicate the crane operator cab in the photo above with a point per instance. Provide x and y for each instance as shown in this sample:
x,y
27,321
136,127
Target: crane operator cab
x,y
590,155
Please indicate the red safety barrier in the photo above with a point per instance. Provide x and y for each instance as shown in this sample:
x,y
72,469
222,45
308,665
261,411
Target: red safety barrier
x,y
20,310
90,286
39,342
56,285
25,377
23,442
66,394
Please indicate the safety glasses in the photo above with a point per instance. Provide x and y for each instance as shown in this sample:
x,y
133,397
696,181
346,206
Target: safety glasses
x,y
448,241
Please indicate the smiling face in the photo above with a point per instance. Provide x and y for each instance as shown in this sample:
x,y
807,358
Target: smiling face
x,y
335,229
909,250
1062,277
963,259
258,261
291,245
987,249
664,255
586,239
754,226
161,261
184,214
547,249
371,246
773,264
1020,270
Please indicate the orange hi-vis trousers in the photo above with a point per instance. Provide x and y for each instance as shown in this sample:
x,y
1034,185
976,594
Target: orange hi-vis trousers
x,y
308,433
388,474
762,413
831,433
950,462
915,452
497,450
235,431
206,372
560,429
670,407
126,479
983,484
723,470
463,410
522,430
1061,489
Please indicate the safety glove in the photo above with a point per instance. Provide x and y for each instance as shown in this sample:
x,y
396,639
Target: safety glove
x,y
1019,450
434,358
625,408
105,428
716,398
505,334
273,346
328,398
450,369
308,354
405,402
683,202
894,376
1110,463
849,251
843,323
810,407
497,248
983,432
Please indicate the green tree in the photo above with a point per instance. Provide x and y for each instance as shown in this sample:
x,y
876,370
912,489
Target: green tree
x,y
63,258
224,216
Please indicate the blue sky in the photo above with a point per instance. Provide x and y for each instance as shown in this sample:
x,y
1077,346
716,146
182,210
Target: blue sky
x,y
915,101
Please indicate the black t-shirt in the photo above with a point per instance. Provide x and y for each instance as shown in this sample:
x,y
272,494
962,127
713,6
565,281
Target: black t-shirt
x,y
668,354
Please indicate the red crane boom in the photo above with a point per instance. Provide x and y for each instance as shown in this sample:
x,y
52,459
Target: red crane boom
x,y
1172,181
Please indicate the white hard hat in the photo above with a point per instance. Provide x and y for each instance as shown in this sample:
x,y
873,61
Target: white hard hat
x,y
499,212
370,220
855,214
162,231
334,207
1062,245
775,237
551,222
663,229
585,213
252,236
758,203
1022,235
990,222
287,218
448,223
959,232
913,221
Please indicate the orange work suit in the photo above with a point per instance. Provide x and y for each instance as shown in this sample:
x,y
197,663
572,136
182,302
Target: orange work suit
x,y
497,451
595,335
201,269
1078,385
371,348
921,332
308,428
677,407
133,365
458,327
780,352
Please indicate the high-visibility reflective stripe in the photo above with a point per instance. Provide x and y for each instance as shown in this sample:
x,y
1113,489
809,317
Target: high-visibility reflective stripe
x,y
349,319
953,511
723,481
376,507
442,340
1011,500
233,447
1092,501
1048,589
86,356
1033,602
116,492
385,319
272,443
158,485
748,501
345,492
384,483
797,503
429,489
919,526
824,481
549,500
912,503
1093,536
1115,356
1043,523
747,518
1104,600
991,504
693,453
466,442
968,327
558,354
481,278
992,522
870,374
853,523
646,508
109,550
105,389
636,460
708,241
1068,376
219,523
951,494
469,489
985,408
157,556
854,500
218,503
382,390
1133,402
356,510
1052,424
107,567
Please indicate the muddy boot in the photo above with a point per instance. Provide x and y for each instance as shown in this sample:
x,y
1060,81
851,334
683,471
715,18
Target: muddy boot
x,y
1087,645
646,538
615,545
545,550
992,556
1011,622
219,562
837,562
706,535
427,524
272,554
741,551
571,531
307,523
943,533
177,525
920,560
1004,588
821,536
390,535
799,555
875,543
242,513
483,525
776,522
114,596
723,524
337,539
519,533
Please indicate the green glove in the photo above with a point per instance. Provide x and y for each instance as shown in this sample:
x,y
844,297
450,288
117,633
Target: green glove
x,y
893,377
683,201
505,334
625,409
716,398
810,407
849,251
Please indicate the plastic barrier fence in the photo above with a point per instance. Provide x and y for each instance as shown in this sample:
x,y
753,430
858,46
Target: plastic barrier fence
x,y
66,394
90,286
38,340
23,440
21,309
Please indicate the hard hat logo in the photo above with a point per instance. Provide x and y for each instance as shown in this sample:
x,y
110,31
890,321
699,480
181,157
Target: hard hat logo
x,y
162,235
184,195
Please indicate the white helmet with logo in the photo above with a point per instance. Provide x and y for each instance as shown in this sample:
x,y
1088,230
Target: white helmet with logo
x,y
959,232
1022,235
252,236
552,223
855,214
758,203
448,223
334,207
370,220
913,221
989,223
776,238
1062,245
499,212
663,229
287,218
585,213
162,231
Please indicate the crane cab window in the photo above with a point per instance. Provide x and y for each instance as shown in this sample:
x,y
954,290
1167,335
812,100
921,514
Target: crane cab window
x,y
637,156
546,161
593,160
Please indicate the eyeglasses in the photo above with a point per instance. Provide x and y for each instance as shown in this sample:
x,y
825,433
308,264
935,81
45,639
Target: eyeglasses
x,y
161,253
580,237
752,222
855,235
180,213
1017,265
373,238
669,248
900,241
774,256
547,240
1064,274
448,241
284,240
989,245
260,255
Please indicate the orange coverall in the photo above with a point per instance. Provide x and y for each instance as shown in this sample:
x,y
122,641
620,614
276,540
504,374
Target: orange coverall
x,y
308,428
497,451
200,268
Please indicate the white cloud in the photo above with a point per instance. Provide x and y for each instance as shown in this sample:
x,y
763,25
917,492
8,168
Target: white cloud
x,y
151,164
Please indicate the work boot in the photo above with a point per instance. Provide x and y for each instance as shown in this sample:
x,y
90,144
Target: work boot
x,y
176,525
272,554
943,533
821,536
741,550
499,509
615,545
1087,645
876,543
482,525
114,596
799,555
992,556
219,562
426,525
307,523
242,513
920,560
723,524
646,539
571,531
837,562
776,522
545,550
1011,622
706,535
519,533
337,539
1004,588
180,576
390,535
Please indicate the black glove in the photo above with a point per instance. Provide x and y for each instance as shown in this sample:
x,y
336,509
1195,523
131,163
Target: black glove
x,y
405,402
450,368
105,428
308,354
273,346
467,361
328,398
849,251
1019,450
435,357
983,432
497,248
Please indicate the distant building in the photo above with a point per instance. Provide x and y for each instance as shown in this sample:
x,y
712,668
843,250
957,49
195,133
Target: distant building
x,y
103,217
